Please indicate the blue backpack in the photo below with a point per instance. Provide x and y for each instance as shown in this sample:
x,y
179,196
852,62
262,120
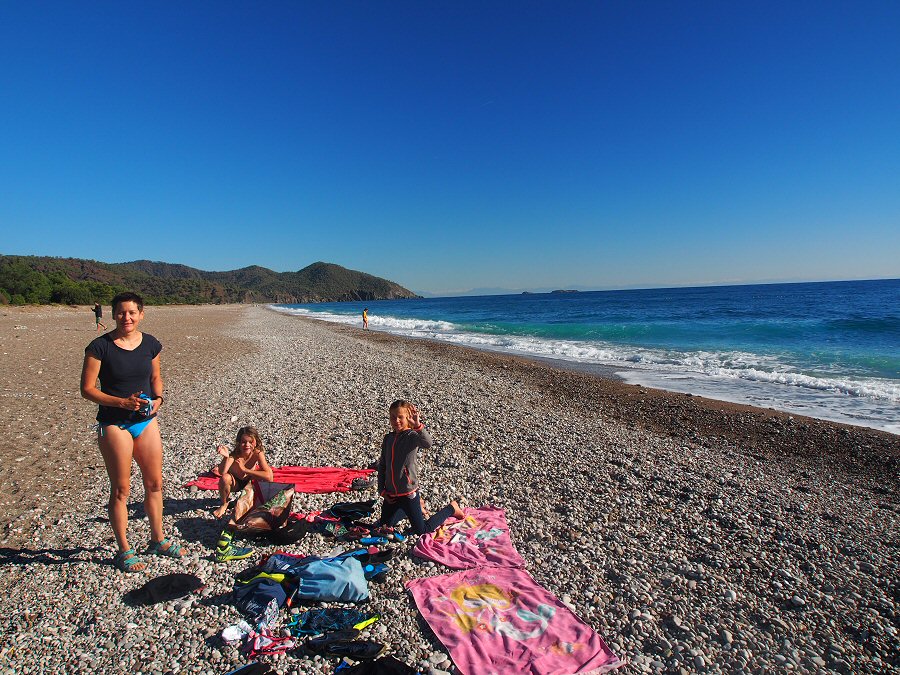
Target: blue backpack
x,y
338,579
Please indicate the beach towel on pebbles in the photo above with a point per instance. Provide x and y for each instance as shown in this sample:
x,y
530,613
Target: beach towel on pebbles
x,y
481,539
306,479
498,620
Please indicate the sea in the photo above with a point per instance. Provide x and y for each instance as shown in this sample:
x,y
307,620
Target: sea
x,y
829,350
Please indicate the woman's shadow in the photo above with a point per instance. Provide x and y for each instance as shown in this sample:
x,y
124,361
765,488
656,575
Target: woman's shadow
x,y
52,556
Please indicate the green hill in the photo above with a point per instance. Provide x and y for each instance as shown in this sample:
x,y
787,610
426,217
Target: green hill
x,y
41,280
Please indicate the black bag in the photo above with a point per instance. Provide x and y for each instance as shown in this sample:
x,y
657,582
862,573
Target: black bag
x,y
164,588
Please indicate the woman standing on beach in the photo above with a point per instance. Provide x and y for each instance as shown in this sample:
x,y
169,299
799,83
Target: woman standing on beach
x,y
126,361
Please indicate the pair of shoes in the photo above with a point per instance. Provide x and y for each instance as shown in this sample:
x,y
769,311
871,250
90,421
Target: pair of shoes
x,y
165,547
128,561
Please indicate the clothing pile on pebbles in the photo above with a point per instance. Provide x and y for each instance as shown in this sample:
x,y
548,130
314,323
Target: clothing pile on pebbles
x,y
687,552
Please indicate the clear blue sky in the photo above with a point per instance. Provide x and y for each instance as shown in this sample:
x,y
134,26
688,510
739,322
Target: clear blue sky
x,y
456,145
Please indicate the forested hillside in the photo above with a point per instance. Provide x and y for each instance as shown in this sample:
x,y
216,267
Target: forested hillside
x,y
41,280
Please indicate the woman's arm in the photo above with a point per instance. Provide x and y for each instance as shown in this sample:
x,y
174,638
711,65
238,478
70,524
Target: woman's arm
x,y
156,384
89,372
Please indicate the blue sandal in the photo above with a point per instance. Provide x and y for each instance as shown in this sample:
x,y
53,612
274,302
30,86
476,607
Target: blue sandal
x,y
166,548
128,561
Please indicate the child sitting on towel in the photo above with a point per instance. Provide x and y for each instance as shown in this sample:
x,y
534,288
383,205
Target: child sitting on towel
x,y
247,461
397,476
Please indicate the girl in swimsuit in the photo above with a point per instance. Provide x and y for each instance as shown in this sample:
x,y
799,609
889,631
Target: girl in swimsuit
x,y
246,462
126,361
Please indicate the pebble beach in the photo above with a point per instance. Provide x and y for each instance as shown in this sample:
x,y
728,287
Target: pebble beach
x,y
692,535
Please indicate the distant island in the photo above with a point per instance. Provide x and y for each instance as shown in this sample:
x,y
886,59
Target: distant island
x,y
74,281
565,291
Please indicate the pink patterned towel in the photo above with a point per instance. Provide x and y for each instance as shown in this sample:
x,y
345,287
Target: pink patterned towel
x,y
498,621
480,540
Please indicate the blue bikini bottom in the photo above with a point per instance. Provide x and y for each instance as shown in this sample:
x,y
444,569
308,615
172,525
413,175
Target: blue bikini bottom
x,y
133,428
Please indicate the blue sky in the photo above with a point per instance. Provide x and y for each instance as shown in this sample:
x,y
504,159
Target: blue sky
x,y
457,145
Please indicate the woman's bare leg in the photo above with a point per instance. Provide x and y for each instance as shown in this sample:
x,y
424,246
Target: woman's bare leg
x,y
117,448
148,455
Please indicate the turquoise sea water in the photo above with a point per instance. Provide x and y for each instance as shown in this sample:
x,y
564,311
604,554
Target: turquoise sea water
x,y
829,350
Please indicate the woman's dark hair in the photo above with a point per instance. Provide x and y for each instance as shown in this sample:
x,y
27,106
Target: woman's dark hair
x,y
128,296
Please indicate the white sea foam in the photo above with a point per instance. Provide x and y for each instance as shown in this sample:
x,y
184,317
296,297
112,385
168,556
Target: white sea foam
x,y
736,376
385,323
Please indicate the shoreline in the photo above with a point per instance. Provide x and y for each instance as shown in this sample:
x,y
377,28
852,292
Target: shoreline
x,y
794,401
692,535
686,417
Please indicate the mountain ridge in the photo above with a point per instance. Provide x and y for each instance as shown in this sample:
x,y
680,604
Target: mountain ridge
x,y
45,279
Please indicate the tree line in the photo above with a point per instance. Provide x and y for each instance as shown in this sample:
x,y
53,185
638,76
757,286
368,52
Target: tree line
x,y
37,280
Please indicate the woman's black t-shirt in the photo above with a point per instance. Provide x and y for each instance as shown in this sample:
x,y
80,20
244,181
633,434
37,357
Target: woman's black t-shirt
x,y
123,373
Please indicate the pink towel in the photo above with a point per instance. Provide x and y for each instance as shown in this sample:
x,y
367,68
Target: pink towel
x,y
480,540
497,621
311,480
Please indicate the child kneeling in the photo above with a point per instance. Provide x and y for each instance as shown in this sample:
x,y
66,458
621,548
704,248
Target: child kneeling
x,y
397,474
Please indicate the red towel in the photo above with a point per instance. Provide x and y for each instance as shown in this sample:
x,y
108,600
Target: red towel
x,y
309,479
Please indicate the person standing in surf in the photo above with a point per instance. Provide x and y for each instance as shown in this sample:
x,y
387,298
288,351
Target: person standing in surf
x,y
366,319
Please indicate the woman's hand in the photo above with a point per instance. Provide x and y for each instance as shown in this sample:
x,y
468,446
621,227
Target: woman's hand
x,y
223,450
133,402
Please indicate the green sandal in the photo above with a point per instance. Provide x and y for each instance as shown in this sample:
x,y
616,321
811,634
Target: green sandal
x,y
165,548
128,561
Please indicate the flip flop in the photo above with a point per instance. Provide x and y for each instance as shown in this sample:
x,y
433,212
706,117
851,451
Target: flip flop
x,y
376,573
375,541
373,555
128,561
165,548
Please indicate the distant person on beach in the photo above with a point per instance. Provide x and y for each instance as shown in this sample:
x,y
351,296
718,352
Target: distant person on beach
x,y
243,463
366,319
98,314
397,474
126,361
